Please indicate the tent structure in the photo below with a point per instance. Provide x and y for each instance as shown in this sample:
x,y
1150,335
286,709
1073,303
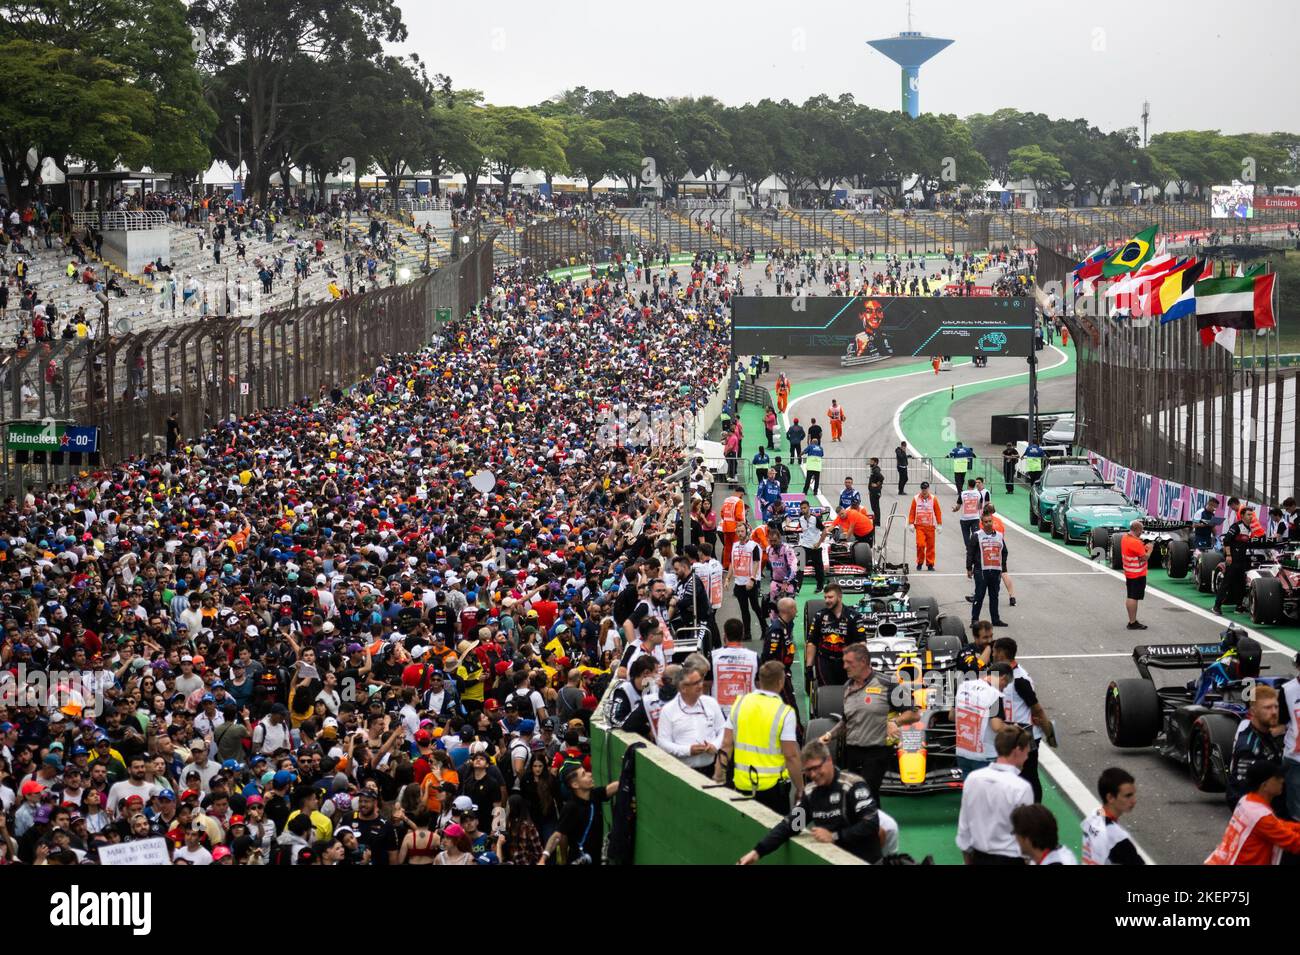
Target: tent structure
x,y
218,174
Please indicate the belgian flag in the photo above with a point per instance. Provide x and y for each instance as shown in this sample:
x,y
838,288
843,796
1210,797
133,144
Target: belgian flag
x,y
1131,254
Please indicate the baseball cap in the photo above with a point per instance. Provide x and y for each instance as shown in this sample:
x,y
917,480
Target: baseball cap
x,y
167,794
464,804
283,778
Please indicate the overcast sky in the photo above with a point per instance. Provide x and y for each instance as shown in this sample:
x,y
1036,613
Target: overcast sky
x,y
1203,64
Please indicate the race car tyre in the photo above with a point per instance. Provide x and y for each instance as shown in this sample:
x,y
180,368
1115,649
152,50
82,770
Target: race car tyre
x,y
1132,712
926,605
1154,561
1099,540
1205,571
1044,523
1116,554
952,626
828,700
1058,527
1209,751
861,555
820,727
1180,559
810,610
1266,600
943,644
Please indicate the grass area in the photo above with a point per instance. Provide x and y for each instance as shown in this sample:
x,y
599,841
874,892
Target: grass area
x,y
927,823
923,422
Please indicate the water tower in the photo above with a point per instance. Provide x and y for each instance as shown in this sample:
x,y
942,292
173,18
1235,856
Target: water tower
x,y
909,50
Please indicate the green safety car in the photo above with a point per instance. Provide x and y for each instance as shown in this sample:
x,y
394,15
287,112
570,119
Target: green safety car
x,y
1057,479
1091,512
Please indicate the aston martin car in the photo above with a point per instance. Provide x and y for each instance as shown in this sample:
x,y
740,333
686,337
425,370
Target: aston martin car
x,y
1057,479
1090,507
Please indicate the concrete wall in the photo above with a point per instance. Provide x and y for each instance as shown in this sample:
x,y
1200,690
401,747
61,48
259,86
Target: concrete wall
x,y
680,823
441,218
710,413
132,250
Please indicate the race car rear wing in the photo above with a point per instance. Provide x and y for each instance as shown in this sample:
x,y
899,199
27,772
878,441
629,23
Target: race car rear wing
x,y
1174,656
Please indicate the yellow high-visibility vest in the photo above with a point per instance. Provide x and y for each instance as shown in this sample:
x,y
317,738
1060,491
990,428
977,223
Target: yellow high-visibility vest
x,y
759,762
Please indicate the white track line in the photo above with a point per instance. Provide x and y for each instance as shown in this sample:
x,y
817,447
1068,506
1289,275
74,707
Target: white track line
x,y
1017,576
1070,656
1065,778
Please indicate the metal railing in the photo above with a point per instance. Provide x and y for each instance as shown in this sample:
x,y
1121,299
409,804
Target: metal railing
x,y
834,470
1153,398
425,205
219,368
122,221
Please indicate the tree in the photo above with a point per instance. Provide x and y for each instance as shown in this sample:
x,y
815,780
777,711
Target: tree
x,y
396,96
703,140
751,150
518,139
460,137
944,157
1042,169
251,48
996,135
64,102
149,47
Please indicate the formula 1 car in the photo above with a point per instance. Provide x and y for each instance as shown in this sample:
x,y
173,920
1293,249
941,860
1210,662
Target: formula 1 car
x,y
850,565
1273,589
1195,722
919,667
1171,549
1260,552
1057,479
917,652
1092,511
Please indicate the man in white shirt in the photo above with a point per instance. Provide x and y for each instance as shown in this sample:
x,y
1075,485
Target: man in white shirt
x,y
977,713
192,851
985,834
135,785
691,725
735,666
745,575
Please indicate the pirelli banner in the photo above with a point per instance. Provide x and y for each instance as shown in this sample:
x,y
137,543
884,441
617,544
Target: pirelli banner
x,y
867,327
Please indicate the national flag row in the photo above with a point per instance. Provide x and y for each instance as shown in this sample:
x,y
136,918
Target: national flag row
x,y
1173,288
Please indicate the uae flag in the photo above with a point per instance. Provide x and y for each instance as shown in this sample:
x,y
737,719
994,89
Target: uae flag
x,y
1245,302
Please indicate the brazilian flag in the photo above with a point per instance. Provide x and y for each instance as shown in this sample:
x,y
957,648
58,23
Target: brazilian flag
x,y
1131,254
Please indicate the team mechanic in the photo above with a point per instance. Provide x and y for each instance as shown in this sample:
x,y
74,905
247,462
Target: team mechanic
x,y
833,628
868,724
838,807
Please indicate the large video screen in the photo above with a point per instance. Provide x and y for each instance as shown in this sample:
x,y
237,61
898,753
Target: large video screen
x,y
874,327
1232,202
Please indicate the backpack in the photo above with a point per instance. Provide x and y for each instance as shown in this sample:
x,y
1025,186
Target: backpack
x,y
282,854
523,700
567,763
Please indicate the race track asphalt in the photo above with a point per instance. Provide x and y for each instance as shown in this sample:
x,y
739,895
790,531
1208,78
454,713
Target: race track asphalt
x,y
1069,619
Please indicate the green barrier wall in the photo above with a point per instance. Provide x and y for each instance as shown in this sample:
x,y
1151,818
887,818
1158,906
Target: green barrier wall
x,y
678,823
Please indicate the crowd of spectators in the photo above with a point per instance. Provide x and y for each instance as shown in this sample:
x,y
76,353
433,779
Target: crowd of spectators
x,y
305,637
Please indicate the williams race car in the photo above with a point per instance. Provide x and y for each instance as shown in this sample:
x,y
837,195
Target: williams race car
x,y
1195,722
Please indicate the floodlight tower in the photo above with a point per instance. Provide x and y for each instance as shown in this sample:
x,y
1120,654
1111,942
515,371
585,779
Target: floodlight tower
x,y
909,50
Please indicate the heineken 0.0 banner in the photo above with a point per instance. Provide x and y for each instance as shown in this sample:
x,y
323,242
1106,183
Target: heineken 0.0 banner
x,y
51,436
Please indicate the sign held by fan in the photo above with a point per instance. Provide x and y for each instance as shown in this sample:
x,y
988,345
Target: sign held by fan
x,y
483,482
